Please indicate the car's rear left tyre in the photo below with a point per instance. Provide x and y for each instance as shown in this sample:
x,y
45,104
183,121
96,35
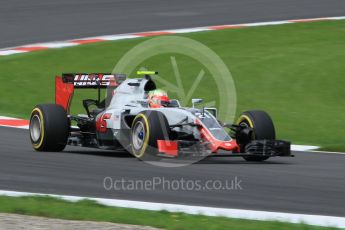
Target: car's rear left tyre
x,y
49,128
262,126
148,127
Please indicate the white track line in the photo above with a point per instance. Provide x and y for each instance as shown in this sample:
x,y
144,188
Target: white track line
x,y
319,151
8,118
318,220
17,127
76,42
52,45
10,52
304,147
267,23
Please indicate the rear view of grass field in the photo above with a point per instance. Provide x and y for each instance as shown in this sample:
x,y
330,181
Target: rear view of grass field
x,y
295,72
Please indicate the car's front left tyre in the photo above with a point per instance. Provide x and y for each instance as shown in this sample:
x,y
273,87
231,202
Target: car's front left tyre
x,y
148,127
49,128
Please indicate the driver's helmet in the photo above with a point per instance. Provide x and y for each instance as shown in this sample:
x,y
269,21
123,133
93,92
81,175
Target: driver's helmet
x,y
158,98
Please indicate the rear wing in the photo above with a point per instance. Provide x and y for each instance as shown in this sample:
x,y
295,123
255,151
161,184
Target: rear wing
x,y
65,85
98,80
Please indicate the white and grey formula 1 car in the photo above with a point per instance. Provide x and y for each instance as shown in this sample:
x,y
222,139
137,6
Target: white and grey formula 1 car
x,y
143,120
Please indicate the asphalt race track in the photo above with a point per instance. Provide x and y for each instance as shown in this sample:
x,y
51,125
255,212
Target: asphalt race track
x,y
311,183
24,22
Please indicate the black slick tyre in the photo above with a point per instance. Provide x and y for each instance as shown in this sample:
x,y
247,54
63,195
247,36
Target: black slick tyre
x,y
49,128
262,126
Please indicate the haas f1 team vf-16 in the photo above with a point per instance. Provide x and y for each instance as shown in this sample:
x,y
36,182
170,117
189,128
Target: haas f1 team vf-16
x,y
143,120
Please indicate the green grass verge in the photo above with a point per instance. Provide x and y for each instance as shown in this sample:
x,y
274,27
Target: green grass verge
x,y
89,210
293,71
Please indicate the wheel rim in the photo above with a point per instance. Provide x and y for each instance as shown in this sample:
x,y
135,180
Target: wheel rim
x,y
245,124
35,128
138,135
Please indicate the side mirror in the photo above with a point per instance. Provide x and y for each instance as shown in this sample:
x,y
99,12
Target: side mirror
x,y
196,101
213,111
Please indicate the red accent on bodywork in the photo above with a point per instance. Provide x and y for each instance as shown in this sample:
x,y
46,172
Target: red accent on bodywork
x,y
63,93
168,147
215,144
101,123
